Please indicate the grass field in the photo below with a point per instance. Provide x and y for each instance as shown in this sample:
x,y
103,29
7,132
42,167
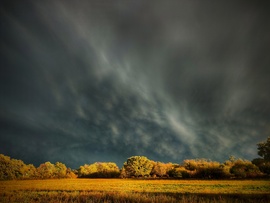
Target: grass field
x,y
132,190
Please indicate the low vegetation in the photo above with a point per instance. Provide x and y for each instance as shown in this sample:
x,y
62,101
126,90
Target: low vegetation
x,y
134,190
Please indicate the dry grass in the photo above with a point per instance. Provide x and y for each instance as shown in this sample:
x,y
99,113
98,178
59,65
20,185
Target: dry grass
x,y
130,190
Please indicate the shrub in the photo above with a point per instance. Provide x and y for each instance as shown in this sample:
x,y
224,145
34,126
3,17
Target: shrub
x,y
179,172
99,170
205,169
245,169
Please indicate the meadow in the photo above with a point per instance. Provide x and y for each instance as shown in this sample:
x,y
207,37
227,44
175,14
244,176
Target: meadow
x,y
134,190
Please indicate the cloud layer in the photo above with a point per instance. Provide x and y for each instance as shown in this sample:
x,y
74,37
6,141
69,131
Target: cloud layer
x,y
102,81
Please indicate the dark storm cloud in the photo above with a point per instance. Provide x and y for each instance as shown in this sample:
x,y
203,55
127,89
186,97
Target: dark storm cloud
x,y
102,81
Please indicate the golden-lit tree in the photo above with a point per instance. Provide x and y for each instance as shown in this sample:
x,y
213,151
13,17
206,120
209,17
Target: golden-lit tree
x,y
46,170
137,166
99,170
15,169
161,169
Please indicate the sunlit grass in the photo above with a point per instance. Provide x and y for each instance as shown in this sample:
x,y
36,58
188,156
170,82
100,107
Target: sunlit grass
x,y
130,185
127,190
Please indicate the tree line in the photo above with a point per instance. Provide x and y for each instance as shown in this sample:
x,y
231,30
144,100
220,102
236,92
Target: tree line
x,y
141,166
11,169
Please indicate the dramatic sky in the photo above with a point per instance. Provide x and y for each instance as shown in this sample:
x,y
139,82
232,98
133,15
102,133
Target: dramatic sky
x,y
87,81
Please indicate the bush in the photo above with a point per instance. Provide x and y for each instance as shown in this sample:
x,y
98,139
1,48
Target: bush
x,y
245,169
205,169
179,172
99,170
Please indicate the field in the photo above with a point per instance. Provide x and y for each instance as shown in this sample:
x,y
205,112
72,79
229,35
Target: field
x,y
133,190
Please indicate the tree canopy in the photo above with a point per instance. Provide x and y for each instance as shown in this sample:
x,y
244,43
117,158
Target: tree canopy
x,y
264,149
137,166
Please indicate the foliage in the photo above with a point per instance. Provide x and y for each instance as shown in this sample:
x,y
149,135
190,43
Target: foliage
x,y
245,169
11,169
160,169
15,169
137,166
263,165
99,170
205,169
48,170
179,172
264,149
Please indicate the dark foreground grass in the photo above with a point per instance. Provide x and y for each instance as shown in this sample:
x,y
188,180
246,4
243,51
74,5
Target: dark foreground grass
x,y
129,191
116,197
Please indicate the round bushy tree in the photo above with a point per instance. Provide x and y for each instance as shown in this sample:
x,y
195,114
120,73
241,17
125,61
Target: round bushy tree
x,y
137,166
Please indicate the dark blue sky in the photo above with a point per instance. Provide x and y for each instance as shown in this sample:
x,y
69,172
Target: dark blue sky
x,y
86,81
